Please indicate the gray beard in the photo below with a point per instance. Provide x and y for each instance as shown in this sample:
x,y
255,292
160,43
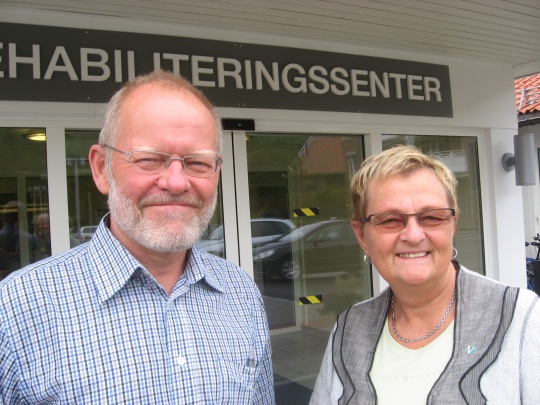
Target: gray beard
x,y
171,233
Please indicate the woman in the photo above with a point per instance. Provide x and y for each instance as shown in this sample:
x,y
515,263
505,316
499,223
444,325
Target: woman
x,y
440,333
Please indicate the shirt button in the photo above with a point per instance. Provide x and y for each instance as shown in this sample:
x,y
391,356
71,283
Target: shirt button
x,y
181,360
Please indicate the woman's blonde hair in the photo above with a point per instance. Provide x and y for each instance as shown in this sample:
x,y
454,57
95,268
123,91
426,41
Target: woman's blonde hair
x,y
402,159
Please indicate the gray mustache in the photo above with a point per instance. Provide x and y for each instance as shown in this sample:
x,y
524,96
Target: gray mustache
x,y
170,199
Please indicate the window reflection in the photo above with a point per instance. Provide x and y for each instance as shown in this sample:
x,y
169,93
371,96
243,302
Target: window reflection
x,y
313,272
86,205
23,197
304,179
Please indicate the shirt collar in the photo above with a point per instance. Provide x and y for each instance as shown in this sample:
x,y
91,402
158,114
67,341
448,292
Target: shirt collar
x,y
201,266
113,265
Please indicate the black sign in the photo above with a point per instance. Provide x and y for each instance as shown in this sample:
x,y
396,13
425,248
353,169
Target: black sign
x,y
43,63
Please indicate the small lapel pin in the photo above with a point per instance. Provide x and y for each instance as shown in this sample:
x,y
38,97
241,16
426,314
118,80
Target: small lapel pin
x,y
471,349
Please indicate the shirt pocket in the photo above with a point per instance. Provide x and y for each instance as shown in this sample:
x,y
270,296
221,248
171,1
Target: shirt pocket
x,y
238,380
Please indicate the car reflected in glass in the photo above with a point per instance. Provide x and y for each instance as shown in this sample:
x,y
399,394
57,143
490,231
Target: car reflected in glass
x,y
321,249
86,233
263,230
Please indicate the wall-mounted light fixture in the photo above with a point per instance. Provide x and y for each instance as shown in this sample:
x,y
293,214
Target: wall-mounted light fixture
x,y
523,160
38,136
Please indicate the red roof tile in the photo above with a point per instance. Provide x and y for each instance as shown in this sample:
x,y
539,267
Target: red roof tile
x,y
527,94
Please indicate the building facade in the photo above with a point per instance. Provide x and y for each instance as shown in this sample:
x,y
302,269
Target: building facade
x,y
299,119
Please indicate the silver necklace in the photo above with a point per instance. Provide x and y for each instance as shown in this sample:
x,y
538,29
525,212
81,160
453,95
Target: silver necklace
x,y
435,329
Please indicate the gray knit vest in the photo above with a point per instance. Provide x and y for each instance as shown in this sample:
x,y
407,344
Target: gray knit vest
x,y
484,310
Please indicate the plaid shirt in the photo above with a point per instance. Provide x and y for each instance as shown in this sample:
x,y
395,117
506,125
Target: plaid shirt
x,y
92,326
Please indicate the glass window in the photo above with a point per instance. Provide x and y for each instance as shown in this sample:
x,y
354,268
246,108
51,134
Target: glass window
x,y
460,154
86,205
213,239
24,198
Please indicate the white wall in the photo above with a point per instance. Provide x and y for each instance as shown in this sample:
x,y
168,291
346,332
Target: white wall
x,y
483,103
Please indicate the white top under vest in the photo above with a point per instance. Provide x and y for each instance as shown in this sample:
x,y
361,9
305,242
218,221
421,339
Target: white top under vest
x,y
405,376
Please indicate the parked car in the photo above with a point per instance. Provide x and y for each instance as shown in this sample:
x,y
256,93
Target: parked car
x,y
86,233
263,230
318,249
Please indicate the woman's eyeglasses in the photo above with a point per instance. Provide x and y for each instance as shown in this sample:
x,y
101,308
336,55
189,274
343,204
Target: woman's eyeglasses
x,y
391,221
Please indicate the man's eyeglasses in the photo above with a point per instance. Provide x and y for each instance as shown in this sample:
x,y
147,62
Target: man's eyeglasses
x,y
154,162
393,222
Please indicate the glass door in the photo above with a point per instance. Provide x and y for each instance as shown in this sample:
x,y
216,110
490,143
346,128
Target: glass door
x,y
306,259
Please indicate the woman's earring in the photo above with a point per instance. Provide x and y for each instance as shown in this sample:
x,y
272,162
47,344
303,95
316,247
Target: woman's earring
x,y
455,252
367,260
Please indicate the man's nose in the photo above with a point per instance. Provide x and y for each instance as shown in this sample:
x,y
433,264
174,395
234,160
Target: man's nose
x,y
174,178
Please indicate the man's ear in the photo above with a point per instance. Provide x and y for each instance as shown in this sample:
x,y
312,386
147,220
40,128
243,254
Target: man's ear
x,y
96,158
358,229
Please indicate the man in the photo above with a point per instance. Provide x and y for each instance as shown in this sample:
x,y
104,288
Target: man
x,y
138,315
43,230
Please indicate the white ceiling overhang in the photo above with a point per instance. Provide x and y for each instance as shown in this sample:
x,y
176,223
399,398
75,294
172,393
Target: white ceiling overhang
x,y
500,31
